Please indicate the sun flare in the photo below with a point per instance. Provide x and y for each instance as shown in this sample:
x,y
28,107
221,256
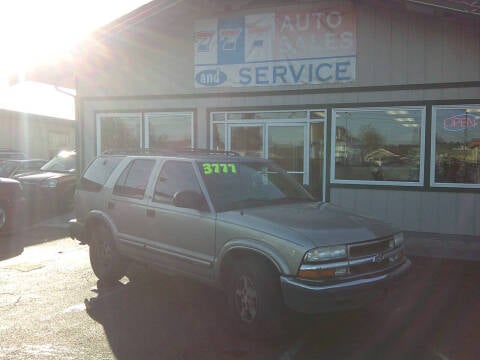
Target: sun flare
x,y
36,32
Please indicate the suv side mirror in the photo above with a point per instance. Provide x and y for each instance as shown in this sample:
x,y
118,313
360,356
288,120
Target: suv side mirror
x,y
188,199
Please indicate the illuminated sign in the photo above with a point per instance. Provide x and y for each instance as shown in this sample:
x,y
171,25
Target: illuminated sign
x,y
460,122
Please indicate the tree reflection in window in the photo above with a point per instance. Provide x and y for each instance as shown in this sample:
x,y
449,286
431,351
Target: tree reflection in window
x,y
119,132
378,144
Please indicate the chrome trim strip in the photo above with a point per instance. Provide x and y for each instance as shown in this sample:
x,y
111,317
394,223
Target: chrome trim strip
x,y
166,252
313,267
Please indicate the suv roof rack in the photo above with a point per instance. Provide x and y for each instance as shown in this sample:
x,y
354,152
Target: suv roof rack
x,y
170,151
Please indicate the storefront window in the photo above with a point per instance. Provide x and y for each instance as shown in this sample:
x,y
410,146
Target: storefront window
x,y
169,130
456,145
378,146
118,132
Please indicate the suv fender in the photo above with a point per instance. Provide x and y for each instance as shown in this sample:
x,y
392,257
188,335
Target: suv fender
x,y
240,247
98,216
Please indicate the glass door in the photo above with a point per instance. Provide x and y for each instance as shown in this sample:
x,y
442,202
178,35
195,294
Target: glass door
x,y
247,140
293,139
286,146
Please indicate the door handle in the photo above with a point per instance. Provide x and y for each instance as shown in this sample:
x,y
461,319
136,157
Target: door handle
x,y
110,205
150,213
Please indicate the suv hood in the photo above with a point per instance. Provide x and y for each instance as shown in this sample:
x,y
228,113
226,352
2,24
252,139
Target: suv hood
x,y
34,177
311,224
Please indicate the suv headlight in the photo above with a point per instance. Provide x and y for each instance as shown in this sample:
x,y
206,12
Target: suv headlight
x,y
326,253
320,264
50,183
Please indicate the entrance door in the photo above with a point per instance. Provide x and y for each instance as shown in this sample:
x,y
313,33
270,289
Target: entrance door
x,y
286,146
247,140
296,145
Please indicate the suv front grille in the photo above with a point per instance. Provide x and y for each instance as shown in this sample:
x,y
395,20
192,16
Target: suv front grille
x,y
373,256
369,248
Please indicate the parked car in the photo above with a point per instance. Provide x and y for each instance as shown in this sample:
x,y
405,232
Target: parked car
x,y
12,206
9,154
10,168
50,190
241,224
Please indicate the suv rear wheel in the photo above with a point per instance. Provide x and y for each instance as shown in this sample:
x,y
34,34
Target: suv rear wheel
x,y
255,300
107,264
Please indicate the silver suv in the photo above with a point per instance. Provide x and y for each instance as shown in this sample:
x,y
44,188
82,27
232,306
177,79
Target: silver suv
x,y
242,224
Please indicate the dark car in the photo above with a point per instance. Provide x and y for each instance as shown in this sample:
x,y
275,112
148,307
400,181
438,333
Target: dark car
x,y
12,204
50,190
11,168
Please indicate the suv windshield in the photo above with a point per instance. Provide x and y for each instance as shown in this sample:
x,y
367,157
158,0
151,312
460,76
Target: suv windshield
x,y
63,162
236,185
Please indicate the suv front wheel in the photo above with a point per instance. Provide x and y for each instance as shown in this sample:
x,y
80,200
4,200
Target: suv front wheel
x,y
254,299
107,264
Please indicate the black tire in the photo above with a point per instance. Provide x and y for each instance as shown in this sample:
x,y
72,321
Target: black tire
x,y
254,299
67,204
107,264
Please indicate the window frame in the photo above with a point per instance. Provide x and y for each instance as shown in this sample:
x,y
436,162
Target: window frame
x,y
421,178
433,148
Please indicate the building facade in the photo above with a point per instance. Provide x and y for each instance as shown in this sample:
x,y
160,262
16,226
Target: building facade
x,y
37,136
373,105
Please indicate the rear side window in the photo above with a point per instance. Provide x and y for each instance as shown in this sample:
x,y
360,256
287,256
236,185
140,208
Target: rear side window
x,y
175,176
134,179
98,173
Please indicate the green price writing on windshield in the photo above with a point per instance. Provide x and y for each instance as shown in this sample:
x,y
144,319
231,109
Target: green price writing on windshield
x,y
218,168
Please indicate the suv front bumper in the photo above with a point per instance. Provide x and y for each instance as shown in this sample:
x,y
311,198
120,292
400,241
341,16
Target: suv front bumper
x,y
308,298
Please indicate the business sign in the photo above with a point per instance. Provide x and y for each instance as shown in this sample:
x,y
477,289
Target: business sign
x,y
272,49
460,122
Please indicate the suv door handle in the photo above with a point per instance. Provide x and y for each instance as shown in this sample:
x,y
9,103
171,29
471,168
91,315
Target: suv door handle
x,y
150,213
110,205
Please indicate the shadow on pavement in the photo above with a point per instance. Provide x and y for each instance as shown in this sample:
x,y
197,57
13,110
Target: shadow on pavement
x,y
9,247
432,314
162,317
12,245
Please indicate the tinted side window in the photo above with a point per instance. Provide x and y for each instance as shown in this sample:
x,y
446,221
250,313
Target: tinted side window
x,y
134,179
98,173
175,176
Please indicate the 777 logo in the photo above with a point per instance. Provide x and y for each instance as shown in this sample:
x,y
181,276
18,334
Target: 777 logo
x,y
203,39
229,38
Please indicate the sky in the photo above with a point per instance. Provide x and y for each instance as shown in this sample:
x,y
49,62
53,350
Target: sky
x,y
34,32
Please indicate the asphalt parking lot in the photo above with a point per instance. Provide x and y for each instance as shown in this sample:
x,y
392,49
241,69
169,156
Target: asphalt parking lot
x,y
52,307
